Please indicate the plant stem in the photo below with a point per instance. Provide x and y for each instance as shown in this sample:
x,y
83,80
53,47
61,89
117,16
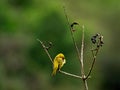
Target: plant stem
x,y
85,84
78,53
94,59
82,50
81,60
69,74
44,47
63,72
72,35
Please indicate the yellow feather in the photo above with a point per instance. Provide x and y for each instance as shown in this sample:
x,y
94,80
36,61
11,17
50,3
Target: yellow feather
x,y
55,67
58,63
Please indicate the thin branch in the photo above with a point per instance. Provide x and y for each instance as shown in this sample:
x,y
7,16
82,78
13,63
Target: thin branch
x,y
45,50
82,49
99,44
66,17
81,60
63,72
69,74
78,53
72,35
85,84
94,59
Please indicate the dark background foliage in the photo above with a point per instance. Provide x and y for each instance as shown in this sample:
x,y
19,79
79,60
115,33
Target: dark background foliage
x,y
25,66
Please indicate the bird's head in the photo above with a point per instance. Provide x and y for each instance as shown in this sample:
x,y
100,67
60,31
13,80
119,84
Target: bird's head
x,y
60,55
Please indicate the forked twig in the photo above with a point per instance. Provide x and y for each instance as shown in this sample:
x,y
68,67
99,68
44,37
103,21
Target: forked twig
x,y
63,72
44,47
94,59
99,44
80,55
72,35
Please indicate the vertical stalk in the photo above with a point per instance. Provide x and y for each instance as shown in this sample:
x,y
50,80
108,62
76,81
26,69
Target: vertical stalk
x,y
81,60
72,35
85,84
82,50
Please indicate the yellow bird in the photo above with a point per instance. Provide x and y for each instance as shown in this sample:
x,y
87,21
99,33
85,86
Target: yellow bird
x,y
58,63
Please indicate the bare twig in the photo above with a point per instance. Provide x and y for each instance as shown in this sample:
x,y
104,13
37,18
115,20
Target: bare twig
x,y
81,60
78,53
94,59
72,35
69,74
82,50
63,72
85,84
99,44
44,47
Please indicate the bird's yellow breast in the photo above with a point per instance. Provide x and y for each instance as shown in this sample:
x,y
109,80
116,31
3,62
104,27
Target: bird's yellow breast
x,y
58,62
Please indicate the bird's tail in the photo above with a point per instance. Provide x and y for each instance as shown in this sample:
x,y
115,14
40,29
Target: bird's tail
x,y
54,72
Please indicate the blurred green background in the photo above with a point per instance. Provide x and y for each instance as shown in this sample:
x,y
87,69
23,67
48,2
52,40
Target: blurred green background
x,y
25,66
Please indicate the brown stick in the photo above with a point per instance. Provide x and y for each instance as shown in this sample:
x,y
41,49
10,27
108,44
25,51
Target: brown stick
x,y
81,60
78,53
63,72
72,35
94,59
44,47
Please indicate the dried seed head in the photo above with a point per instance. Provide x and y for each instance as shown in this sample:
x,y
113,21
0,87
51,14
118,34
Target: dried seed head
x,y
74,23
97,39
101,41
